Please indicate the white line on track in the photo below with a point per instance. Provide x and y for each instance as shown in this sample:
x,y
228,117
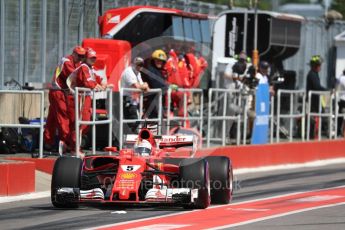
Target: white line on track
x,y
318,163
276,216
250,209
29,196
119,212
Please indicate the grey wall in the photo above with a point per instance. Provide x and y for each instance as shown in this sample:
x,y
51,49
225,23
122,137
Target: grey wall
x,y
317,38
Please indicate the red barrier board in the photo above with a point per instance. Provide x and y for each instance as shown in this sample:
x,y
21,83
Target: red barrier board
x,y
17,178
45,165
252,156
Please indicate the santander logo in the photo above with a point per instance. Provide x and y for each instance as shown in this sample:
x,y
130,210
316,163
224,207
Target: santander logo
x,y
174,139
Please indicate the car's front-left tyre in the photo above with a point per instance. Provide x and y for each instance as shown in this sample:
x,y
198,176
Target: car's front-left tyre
x,y
66,174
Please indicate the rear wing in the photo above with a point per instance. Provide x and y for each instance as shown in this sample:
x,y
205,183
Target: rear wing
x,y
165,140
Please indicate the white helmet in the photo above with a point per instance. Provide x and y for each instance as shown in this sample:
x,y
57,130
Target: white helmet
x,y
143,148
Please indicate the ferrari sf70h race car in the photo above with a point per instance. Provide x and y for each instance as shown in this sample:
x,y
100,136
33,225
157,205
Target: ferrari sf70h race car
x,y
153,170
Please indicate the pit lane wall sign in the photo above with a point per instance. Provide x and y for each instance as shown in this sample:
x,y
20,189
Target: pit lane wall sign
x,y
260,128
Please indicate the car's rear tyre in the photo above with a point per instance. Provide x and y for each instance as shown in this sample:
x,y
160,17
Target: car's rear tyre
x,y
66,173
194,174
221,179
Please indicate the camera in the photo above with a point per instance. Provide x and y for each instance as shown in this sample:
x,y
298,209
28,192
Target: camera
x,y
249,78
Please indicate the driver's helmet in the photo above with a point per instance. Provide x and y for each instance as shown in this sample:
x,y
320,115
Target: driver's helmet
x,y
143,148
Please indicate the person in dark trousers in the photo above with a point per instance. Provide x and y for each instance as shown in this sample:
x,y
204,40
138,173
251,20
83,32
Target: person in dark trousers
x,y
313,83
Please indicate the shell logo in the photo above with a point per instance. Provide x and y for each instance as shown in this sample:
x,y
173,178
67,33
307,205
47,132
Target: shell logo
x,y
108,16
128,176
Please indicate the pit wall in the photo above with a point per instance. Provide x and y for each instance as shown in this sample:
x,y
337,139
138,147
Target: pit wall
x,y
17,177
253,156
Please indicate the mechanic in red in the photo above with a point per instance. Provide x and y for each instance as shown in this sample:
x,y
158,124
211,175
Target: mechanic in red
x,y
84,76
175,74
177,77
201,64
57,115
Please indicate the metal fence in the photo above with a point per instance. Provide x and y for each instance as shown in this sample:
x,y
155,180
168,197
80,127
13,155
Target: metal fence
x,y
320,114
82,92
40,126
155,105
34,34
226,109
291,112
223,106
293,117
186,117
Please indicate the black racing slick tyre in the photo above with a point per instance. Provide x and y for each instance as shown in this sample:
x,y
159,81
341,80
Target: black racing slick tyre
x,y
66,173
221,179
194,174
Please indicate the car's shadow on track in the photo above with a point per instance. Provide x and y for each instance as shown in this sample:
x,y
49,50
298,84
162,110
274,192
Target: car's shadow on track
x,y
113,207
134,207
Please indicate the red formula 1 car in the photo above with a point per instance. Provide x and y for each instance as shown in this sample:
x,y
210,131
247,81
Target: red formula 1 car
x,y
151,171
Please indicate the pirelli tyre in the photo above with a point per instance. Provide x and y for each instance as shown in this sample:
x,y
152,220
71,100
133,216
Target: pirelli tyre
x,y
221,179
66,173
194,174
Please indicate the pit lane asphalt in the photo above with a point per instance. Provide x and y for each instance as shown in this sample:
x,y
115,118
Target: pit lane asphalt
x,y
40,214
324,218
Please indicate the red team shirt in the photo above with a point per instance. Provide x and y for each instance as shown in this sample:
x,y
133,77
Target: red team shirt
x,y
85,77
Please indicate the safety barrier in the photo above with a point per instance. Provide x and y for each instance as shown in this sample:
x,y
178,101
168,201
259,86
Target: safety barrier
x,y
338,113
254,156
123,121
186,93
40,126
16,177
78,122
225,110
320,114
292,113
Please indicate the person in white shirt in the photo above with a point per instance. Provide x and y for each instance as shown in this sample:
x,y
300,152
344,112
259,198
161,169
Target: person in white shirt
x,y
341,103
131,78
262,75
233,76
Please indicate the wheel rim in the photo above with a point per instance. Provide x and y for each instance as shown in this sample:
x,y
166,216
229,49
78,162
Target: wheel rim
x,y
231,181
208,184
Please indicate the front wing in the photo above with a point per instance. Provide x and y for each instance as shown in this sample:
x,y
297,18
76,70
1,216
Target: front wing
x,y
178,196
